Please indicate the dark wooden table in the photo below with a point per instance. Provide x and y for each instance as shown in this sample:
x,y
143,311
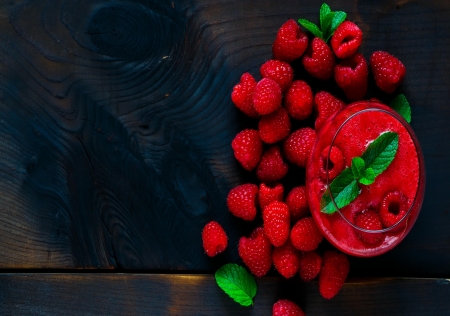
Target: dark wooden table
x,y
115,131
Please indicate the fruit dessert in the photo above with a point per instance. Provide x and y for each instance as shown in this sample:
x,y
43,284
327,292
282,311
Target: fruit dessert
x,y
367,158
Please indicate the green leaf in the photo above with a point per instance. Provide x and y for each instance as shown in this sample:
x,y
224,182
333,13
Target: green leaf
x,y
324,11
358,167
326,28
237,282
314,29
344,189
401,106
380,153
368,177
338,18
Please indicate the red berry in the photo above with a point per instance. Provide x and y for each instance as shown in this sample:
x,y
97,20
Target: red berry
x,y
369,220
346,39
271,167
279,71
241,201
266,96
286,260
290,42
305,236
319,60
309,266
299,100
242,95
327,105
214,238
393,208
351,76
286,308
276,220
336,163
387,70
298,145
270,193
248,148
334,271
275,126
256,252
297,202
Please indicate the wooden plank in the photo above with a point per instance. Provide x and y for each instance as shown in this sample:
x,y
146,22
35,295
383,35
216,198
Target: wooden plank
x,y
159,294
116,125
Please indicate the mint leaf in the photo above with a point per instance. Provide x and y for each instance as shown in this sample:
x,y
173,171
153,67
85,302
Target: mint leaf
x,y
401,106
325,10
380,153
314,29
358,167
368,177
338,18
237,282
344,189
326,28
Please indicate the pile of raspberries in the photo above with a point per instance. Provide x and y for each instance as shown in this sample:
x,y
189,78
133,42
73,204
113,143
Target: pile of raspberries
x,y
289,237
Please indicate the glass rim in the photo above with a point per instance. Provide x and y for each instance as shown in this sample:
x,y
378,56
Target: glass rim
x,y
415,141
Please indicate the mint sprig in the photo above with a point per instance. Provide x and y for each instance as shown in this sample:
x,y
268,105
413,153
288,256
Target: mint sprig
x,y
363,170
329,21
237,282
401,106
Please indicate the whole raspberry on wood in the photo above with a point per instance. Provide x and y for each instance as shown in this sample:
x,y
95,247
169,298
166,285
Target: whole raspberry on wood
x,y
286,308
351,76
346,39
256,252
266,96
214,238
319,60
310,264
305,235
241,201
242,95
290,42
334,272
271,167
387,70
299,100
248,148
286,260
326,105
275,126
298,145
297,203
276,219
279,71
270,193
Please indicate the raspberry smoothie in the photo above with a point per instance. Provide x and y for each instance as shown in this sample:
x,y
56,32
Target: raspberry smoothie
x,y
383,212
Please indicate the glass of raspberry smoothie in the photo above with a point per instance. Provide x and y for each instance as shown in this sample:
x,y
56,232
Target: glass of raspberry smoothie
x,y
365,212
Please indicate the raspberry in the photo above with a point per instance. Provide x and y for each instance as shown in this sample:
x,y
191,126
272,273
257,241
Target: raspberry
x,y
369,220
248,148
256,252
214,238
266,96
297,203
276,219
334,271
290,42
327,105
305,236
286,260
298,145
319,60
268,194
351,76
242,95
241,201
346,39
309,266
286,308
336,163
393,208
387,70
299,100
279,71
271,167
275,126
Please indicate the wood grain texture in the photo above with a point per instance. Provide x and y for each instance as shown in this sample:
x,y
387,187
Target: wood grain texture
x,y
116,124
155,294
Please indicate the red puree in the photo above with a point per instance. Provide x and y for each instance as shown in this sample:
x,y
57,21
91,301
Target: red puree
x,y
405,174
